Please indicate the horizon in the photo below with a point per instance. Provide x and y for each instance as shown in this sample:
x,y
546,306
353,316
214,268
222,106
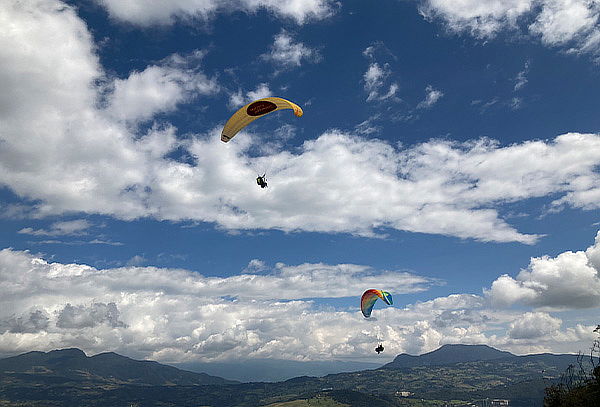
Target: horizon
x,y
447,154
294,361
278,371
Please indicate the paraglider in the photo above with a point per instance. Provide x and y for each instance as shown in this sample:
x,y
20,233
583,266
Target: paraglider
x,y
262,181
252,111
368,300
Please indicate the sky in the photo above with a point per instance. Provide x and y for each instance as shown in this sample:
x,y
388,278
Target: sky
x,y
449,153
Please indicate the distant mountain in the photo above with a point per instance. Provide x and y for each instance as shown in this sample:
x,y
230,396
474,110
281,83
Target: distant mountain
x,y
273,370
73,365
452,354
447,355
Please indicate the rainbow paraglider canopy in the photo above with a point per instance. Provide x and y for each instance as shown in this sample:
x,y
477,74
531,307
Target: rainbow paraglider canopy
x,y
368,300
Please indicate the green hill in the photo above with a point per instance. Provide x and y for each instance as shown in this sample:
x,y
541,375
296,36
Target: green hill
x,y
449,354
72,365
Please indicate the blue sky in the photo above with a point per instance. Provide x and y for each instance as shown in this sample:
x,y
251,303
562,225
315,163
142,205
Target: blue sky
x,y
448,153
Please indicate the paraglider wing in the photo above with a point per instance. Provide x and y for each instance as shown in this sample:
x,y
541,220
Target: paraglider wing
x,y
252,111
368,300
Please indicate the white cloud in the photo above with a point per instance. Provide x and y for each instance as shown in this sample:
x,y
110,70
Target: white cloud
x,y
444,197
49,110
32,322
465,318
369,52
285,53
175,315
431,97
137,260
377,77
82,316
562,21
238,99
521,78
572,24
148,310
378,48
570,280
516,103
368,126
280,283
75,242
483,18
63,228
147,12
256,266
68,155
484,106
261,91
374,79
373,76
158,89
534,325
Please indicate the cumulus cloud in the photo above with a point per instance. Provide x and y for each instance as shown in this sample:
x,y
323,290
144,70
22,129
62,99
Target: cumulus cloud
x,y
450,177
147,12
51,97
82,316
32,322
533,325
467,318
570,280
572,25
161,310
562,21
67,153
455,317
175,315
158,88
285,53
431,97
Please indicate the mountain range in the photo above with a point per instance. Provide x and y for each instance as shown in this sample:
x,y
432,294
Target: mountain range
x,y
467,373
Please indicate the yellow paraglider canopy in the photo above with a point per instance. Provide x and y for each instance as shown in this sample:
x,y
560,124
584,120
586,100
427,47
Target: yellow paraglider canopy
x,y
252,111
